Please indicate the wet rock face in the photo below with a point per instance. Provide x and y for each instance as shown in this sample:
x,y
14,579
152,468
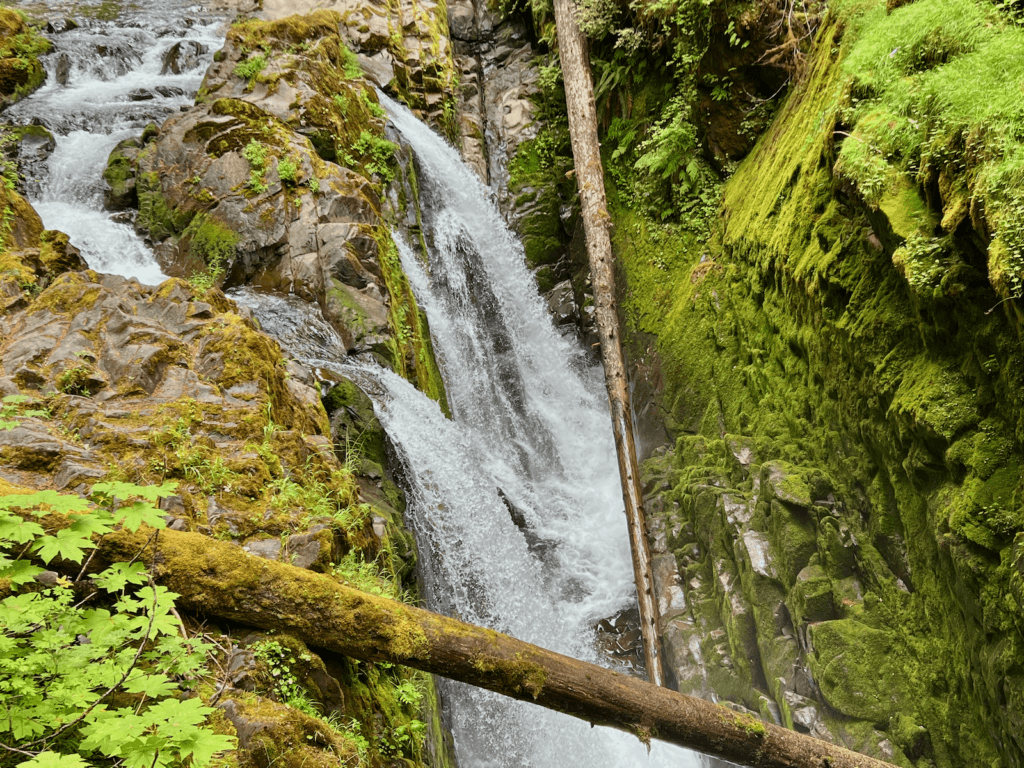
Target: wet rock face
x,y
402,46
497,125
494,57
619,638
28,147
762,596
242,180
182,56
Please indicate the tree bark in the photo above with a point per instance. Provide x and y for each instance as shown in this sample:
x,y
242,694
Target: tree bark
x,y
219,579
579,98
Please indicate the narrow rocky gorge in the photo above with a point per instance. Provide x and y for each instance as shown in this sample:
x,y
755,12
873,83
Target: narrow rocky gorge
x,y
822,297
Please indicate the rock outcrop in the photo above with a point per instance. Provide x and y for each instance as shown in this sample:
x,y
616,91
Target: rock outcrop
x,y
275,179
20,48
175,383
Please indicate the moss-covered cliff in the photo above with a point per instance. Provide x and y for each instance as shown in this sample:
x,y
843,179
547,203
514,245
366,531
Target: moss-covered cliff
x,y
839,360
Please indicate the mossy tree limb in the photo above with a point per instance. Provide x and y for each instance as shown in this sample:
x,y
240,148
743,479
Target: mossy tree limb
x,y
579,98
218,579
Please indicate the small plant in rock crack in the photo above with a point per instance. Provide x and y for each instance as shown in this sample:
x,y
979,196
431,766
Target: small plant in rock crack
x,y
250,68
286,170
256,154
278,661
75,381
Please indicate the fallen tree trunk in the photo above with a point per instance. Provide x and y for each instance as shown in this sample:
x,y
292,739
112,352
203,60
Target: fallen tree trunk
x,y
579,98
219,579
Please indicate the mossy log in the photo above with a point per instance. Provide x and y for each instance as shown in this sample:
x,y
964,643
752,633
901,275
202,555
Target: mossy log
x,y
218,579
579,99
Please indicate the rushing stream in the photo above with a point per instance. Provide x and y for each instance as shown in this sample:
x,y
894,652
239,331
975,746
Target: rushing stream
x,y
106,80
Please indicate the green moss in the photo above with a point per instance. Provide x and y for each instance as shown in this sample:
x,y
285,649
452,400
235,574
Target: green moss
x,y
20,48
906,211
69,294
937,397
519,674
803,323
854,666
211,241
156,216
411,351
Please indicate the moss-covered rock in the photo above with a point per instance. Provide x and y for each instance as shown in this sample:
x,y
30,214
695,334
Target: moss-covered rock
x,y
20,47
878,385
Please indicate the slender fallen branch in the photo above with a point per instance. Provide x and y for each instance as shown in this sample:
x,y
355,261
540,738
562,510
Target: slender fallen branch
x,y
579,99
219,579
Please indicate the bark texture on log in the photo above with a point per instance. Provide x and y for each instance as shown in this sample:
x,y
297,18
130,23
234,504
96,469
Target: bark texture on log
x,y
579,98
219,579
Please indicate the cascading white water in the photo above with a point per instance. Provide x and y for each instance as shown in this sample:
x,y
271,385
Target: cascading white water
x,y
530,423
90,108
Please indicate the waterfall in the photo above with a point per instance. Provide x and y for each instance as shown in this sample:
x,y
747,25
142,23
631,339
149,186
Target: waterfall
x,y
516,500
105,82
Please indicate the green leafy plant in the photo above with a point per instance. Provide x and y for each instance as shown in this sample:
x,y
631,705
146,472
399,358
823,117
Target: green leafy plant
x,y
75,380
341,102
183,458
286,170
250,68
379,154
278,661
63,698
215,244
11,411
374,108
256,154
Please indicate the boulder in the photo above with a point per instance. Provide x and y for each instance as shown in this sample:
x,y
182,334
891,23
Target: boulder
x,y
182,57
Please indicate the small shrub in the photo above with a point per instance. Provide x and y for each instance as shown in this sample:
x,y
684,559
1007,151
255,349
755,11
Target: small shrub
x,y
63,697
75,381
286,170
251,67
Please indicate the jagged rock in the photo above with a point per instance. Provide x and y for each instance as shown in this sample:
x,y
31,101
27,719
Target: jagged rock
x,y
71,472
785,485
269,549
60,26
315,547
120,175
240,669
183,56
29,147
168,91
287,238
29,446
49,578
62,72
